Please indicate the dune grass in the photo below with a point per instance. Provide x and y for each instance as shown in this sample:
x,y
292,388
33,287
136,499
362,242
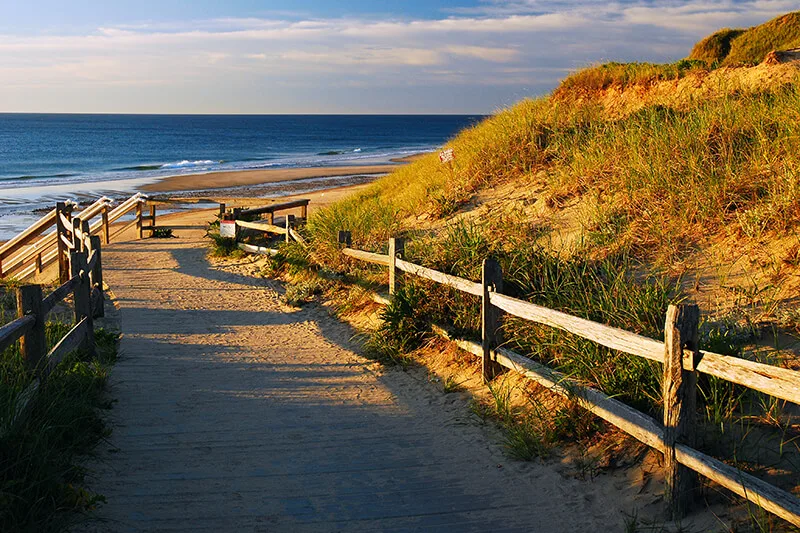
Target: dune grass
x,y
662,179
752,46
733,47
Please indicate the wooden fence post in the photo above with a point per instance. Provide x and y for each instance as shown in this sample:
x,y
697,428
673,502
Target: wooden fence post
x,y
221,210
33,344
106,228
346,238
97,277
61,231
152,220
304,211
289,221
83,298
397,249
139,224
679,390
490,317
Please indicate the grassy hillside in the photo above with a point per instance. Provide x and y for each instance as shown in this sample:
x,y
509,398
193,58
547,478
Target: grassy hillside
x,y
660,180
630,187
730,47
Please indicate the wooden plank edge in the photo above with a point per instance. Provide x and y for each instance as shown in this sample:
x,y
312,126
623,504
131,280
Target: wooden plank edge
x,y
296,236
608,336
11,332
368,257
464,285
761,493
779,382
31,232
270,228
69,343
50,301
47,259
276,207
257,249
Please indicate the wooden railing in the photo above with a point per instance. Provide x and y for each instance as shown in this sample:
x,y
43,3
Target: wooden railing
x,y
679,354
86,285
235,217
33,250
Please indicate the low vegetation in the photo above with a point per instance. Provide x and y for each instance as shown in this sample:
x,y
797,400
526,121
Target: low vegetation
x,y
41,478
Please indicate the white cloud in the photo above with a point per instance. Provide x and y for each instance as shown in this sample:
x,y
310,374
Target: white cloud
x,y
527,44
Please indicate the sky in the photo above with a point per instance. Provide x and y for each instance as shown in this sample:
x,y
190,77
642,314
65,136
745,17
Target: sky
x,y
314,56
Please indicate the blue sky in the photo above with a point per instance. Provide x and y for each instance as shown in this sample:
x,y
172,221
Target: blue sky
x,y
310,56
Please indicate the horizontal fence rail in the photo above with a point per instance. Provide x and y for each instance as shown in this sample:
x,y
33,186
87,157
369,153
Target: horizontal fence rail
x,y
11,332
35,249
679,355
237,215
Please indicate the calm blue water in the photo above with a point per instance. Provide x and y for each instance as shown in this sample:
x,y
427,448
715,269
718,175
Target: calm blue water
x,y
44,158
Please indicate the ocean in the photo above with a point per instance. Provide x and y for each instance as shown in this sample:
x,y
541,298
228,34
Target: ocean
x,y
45,158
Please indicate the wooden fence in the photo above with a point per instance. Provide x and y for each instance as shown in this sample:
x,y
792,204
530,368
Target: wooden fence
x,y
33,250
237,217
679,354
85,283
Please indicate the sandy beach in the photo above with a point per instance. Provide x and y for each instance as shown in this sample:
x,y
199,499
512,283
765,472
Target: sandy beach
x,y
215,180
242,178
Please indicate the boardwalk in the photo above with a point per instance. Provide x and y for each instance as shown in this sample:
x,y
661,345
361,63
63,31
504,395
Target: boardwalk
x,y
237,413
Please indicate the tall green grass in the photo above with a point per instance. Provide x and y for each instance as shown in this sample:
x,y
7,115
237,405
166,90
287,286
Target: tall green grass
x,y
41,480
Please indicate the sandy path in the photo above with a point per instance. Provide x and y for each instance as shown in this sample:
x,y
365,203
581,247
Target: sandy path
x,y
237,413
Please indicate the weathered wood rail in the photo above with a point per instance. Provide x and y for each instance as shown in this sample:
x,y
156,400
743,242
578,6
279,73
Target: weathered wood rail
x,y
679,354
33,250
85,284
237,216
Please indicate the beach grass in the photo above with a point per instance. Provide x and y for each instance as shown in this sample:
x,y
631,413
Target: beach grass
x,y
42,481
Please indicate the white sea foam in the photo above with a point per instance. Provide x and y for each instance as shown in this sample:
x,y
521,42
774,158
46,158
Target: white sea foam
x,y
190,164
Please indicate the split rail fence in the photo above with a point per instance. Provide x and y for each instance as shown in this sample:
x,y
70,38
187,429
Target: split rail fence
x,y
243,220
679,354
85,284
32,251
75,244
